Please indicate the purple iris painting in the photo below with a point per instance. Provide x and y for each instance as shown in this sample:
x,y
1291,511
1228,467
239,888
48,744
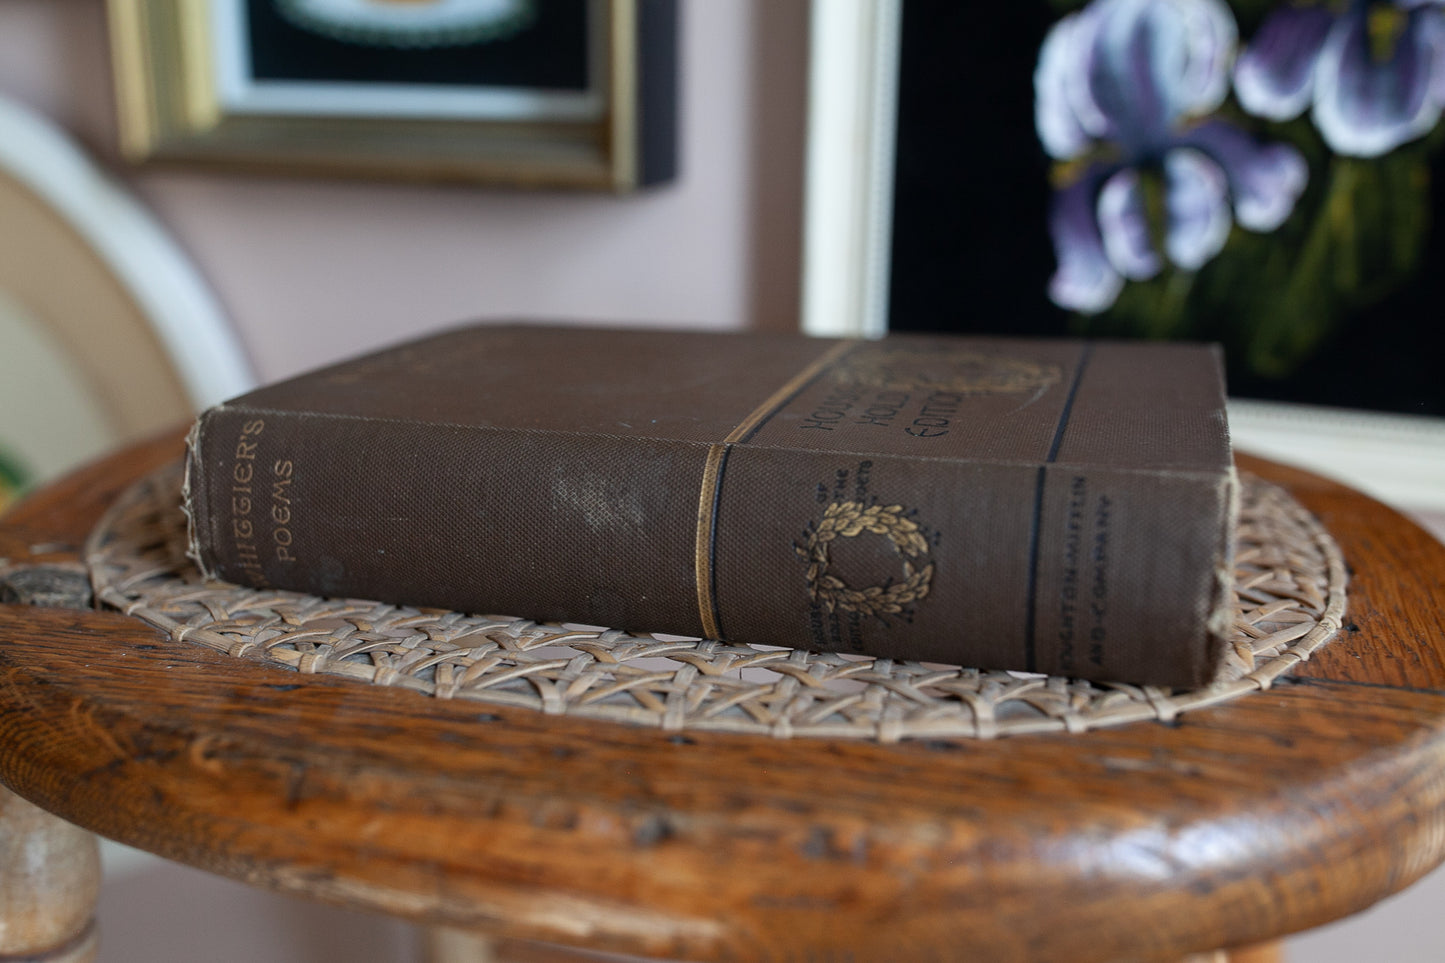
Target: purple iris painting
x,y
1371,72
1148,171
1126,99
1180,143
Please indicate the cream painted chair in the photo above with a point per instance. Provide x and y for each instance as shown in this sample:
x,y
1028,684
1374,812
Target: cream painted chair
x,y
107,335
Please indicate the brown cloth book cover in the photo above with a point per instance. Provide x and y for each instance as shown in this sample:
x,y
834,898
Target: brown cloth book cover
x,y
1052,506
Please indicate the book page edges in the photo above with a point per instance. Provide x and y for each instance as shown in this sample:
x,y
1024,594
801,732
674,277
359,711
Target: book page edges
x,y
192,489
1229,662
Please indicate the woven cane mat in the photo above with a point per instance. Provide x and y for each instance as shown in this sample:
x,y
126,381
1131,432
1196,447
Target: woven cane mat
x,y
1290,589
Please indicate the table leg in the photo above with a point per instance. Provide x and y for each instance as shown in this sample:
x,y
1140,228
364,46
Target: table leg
x,y
49,884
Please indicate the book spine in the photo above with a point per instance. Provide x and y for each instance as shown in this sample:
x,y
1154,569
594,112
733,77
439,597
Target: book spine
x,y
1097,573
586,528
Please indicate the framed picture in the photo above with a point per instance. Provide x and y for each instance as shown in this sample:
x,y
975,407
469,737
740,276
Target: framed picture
x,y
1255,173
543,93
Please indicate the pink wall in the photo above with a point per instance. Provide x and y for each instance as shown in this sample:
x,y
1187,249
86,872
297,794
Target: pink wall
x,y
310,270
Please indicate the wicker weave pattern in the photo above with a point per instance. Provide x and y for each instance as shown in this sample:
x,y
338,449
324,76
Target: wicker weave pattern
x,y
1290,587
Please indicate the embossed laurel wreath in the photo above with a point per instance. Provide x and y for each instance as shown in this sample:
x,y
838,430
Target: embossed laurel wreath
x,y
850,520
1290,584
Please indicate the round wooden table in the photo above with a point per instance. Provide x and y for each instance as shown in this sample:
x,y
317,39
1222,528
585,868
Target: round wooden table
x,y
1231,825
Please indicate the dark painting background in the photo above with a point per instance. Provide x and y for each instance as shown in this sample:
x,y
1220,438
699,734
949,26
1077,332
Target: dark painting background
x,y
551,53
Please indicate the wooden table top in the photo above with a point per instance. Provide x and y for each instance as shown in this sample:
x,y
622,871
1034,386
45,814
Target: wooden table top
x,y
1272,813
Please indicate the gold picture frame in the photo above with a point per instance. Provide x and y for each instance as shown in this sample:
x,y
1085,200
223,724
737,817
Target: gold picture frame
x,y
179,65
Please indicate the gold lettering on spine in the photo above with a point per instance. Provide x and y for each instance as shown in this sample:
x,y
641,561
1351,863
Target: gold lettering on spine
x,y
243,530
712,478
282,472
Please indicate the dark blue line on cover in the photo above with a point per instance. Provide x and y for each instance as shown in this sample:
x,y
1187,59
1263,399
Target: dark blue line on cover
x,y
712,540
1030,646
1069,403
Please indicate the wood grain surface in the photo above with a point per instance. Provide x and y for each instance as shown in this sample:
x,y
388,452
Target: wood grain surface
x,y
1235,824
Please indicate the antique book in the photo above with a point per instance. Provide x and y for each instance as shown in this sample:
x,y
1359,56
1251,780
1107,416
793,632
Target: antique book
x,y
1063,507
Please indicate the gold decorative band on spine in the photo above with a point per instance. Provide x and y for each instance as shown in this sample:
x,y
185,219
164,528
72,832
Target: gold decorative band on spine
x,y
712,478
706,515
